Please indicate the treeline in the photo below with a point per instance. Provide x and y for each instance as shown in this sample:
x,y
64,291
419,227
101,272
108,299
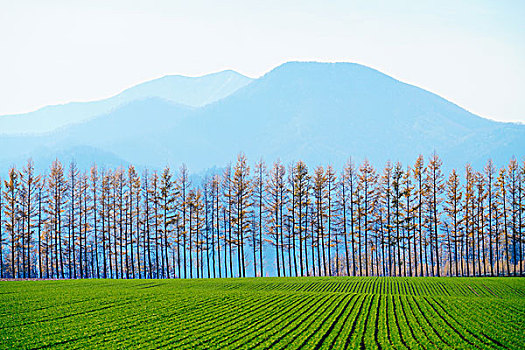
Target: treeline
x,y
255,221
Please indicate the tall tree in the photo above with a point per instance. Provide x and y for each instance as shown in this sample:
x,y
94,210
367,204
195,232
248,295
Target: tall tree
x,y
154,198
215,185
502,184
30,187
419,175
242,190
319,192
56,203
453,209
275,187
481,196
368,192
386,199
168,197
490,172
513,182
182,204
330,189
72,216
227,191
301,187
349,181
136,214
84,227
409,222
94,188
259,191
12,197
398,211
195,226
436,189
468,240
104,214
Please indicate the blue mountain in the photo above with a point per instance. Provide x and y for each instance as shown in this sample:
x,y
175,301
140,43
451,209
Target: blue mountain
x,y
317,112
188,91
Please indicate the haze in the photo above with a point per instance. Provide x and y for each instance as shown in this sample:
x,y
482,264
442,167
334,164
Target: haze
x,y
53,52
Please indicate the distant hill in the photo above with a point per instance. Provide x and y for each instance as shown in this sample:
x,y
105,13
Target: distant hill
x,y
188,91
318,112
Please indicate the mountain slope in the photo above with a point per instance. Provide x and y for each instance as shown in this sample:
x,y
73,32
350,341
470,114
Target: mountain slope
x,y
323,113
318,112
189,91
133,131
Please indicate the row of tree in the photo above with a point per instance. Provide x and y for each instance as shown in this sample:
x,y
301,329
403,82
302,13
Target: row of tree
x,y
284,221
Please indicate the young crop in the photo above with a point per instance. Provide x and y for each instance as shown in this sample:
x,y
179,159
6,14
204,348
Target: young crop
x,y
268,313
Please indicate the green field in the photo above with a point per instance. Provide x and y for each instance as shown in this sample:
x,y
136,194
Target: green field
x,y
292,313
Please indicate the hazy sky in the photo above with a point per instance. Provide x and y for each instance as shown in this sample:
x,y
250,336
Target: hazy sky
x,y
470,52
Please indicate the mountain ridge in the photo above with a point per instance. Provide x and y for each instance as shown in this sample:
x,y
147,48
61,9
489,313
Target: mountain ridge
x,y
318,112
183,90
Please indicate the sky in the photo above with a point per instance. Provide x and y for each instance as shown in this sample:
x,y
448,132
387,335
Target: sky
x,y
57,51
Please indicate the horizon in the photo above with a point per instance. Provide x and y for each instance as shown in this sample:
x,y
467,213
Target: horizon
x,y
57,55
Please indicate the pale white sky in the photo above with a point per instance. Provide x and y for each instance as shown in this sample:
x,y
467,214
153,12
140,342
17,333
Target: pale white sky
x,y
470,52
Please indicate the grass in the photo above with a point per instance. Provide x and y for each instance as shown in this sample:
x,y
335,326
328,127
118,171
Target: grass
x,y
291,313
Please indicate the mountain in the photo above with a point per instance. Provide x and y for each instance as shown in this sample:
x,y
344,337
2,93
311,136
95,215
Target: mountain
x,y
317,112
326,112
188,91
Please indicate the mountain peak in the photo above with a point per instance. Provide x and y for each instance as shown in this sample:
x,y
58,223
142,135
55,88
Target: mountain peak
x,y
190,91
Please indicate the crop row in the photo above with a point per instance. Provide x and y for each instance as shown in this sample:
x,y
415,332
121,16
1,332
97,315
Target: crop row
x,y
455,287
324,313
